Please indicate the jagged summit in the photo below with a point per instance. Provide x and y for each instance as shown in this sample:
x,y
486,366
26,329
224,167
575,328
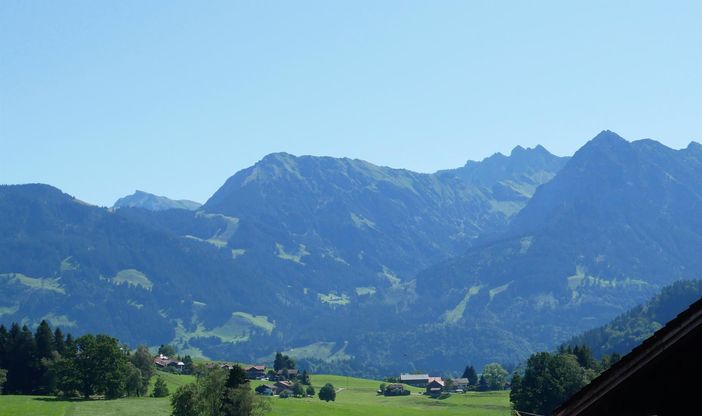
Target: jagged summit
x,y
608,135
513,178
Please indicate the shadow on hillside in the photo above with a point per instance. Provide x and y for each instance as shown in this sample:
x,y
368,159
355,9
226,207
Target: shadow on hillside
x,y
63,399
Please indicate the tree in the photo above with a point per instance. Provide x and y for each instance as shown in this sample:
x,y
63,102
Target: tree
x,y
298,390
3,378
471,375
382,387
289,362
20,360
548,380
44,339
482,384
167,350
65,374
235,399
185,401
279,362
160,388
448,384
59,343
584,356
283,362
495,376
309,391
188,365
238,401
4,342
236,377
305,378
101,366
327,393
211,388
133,383
142,360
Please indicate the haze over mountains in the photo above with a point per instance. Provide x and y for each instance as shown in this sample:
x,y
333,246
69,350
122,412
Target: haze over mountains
x,y
365,269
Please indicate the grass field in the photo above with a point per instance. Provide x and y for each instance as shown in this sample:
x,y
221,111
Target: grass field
x,y
355,397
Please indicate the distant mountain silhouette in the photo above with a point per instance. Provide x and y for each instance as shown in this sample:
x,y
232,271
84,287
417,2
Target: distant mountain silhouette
x,y
140,199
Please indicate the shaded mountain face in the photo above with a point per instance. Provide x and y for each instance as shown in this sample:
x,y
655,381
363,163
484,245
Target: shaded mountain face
x,y
92,269
630,329
346,225
140,199
616,223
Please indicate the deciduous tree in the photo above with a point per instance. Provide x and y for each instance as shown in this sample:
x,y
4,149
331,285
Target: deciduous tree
x,y
327,393
495,376
143,361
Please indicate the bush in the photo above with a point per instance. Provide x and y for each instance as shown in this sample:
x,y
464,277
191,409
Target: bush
x,y
160,388
395,389
284,394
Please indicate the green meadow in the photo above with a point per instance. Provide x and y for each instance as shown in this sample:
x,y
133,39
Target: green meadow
x,y
354,397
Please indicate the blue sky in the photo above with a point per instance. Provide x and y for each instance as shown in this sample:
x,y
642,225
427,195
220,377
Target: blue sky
x,y
100,98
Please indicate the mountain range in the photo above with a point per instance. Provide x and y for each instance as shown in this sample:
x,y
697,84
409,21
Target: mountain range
x,y
365,269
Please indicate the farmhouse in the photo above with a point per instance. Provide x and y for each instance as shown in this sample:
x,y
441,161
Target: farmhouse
x,y
265,390
435,386
460,385
255,372
281,386
415,380
285,374
163,361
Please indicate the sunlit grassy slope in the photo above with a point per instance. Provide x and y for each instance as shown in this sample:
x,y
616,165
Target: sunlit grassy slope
x,y
354,397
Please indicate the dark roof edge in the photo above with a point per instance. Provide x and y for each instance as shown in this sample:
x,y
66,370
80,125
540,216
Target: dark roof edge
x,y
652,347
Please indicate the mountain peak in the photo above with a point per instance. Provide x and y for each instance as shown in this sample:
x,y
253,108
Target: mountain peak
x,y
518,150
151,202
608,136
276,156
694,146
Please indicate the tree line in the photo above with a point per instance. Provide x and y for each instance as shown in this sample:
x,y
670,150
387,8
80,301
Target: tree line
x,y
551,378
47,362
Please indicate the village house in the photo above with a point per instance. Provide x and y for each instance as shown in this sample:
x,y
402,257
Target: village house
x,y
255,372
435,386
460,385
163,361
415,380
286,374
281,386
265,390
